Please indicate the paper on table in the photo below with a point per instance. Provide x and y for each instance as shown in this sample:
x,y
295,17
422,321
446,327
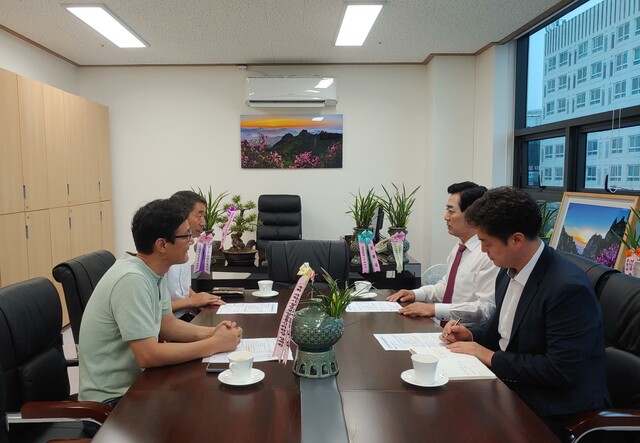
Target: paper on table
x,y
261,348
458,366
248,308
404,342
373,306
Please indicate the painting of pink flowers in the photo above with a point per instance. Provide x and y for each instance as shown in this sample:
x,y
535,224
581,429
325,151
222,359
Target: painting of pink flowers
x,y
291,141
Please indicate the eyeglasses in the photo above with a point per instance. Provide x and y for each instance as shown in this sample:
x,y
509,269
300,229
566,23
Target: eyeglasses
x,y
188,235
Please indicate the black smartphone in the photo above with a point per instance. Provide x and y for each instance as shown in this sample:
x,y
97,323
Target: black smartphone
x,y
217,367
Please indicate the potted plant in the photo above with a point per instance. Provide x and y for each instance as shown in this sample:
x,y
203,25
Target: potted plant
x,y
363,209
548,218
397,206
316,328
213,210
631,240
245,221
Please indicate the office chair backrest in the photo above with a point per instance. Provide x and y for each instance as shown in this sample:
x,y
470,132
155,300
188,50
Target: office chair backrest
x,y
620,303
597,273
279,218
286,257
31,357
79,276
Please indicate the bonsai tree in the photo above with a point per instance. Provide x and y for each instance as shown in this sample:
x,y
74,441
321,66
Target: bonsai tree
x,y
244,221
364,208
397,205
213,210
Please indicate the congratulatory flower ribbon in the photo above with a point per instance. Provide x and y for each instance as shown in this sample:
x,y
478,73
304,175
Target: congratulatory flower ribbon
x,y
283,340
204,247
397,246
365,243
231,214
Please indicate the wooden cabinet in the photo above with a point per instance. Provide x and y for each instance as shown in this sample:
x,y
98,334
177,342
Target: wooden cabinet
x,y
11,197
14,263
86,229
106,222
104,153
38,236
54,131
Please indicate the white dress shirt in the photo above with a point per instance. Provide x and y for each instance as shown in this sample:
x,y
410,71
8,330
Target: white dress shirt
x,y
179,283
473,299
512,298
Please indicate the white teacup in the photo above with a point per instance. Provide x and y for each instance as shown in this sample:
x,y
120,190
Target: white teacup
x,y
424,368
362,287
240,364
265,286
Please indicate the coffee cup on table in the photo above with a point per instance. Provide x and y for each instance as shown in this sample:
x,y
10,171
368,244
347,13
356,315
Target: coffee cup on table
x,y
265,286
240,364
424,368
362,287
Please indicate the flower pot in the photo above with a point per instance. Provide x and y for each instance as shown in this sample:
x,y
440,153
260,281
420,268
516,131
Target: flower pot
x,y
405,244
354,248
241,258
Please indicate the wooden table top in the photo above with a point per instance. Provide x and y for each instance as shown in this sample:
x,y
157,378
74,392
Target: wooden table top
x,y
184,403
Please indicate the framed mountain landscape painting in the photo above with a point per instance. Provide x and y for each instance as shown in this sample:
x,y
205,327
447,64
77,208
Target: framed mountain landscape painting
x,y
291,141
593,226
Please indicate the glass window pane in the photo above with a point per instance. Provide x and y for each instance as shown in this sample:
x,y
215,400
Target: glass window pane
x,y
615,154
584,63
545,162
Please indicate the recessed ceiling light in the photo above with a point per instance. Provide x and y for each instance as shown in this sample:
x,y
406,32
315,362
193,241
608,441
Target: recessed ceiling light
x,y
107,24
356,24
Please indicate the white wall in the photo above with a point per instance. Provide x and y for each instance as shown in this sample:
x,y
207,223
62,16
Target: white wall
x,y
178,127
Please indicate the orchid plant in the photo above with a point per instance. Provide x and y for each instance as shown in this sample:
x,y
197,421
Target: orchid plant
x,y
334,303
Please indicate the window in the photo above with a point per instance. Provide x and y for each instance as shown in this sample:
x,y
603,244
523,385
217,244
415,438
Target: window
x,y
581,99
582,75
591,174
636,55
551,63
583,49
592,148
635,85
563,58
621,61
559,151
562,82
598,43
638,26
616,145
623,32
547,175
594,96
615,173
551,85
548,151
620,89
596,70
634,143
633,173
562,105
559,172
550,108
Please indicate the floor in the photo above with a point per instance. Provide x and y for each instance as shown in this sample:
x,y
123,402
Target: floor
x,y
69,348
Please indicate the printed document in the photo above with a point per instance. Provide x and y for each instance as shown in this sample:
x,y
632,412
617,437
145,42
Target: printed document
x,y
248,308
373,306
261,348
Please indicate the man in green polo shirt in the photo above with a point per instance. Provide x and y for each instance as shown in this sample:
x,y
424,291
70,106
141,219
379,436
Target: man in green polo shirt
x,y
128,325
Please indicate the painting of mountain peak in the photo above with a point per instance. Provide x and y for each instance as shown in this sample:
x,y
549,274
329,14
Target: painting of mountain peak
x,y
291,141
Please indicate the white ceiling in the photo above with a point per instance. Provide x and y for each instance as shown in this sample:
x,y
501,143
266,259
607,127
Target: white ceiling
x,y
259,32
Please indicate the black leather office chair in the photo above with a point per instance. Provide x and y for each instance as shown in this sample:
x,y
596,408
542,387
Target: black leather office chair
x,y
620,303
597,273
286,257
33,380
279,219
79,276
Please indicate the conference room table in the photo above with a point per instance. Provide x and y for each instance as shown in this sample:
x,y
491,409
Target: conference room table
x,y
367,401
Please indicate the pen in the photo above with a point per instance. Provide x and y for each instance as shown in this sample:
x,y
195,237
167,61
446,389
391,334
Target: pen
x,y
455,324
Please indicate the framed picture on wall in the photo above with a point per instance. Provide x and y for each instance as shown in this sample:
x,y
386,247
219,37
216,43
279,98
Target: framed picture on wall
x,y
592,225
301,141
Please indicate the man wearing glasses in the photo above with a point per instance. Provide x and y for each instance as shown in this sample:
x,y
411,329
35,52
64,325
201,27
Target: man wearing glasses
x,y
128,325
183,298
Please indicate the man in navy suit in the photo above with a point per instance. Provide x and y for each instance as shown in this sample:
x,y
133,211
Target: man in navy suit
x,y
545,339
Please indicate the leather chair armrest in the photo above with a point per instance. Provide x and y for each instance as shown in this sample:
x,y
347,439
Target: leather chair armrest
x,y
66,409
585,422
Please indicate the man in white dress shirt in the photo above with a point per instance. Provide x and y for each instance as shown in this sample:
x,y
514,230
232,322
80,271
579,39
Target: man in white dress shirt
x,y
468,292
185,300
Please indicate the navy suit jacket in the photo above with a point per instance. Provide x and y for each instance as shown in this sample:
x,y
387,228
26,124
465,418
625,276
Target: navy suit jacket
x,y
555,360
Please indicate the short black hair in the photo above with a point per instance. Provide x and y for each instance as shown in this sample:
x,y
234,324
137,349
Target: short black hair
x,y
156,219
188,200
468,191
503,211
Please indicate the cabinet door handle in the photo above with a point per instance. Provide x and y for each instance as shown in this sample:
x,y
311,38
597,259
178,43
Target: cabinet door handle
x,y
26,227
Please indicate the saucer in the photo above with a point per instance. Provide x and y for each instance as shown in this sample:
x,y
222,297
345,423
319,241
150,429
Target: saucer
x,y
408,376
267,295
365,295
226,377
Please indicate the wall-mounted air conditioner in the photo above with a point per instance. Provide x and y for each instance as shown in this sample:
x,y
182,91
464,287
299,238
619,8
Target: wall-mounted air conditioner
x,y
298,92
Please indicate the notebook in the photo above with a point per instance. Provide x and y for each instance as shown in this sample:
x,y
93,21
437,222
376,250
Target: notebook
x,y
227,291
